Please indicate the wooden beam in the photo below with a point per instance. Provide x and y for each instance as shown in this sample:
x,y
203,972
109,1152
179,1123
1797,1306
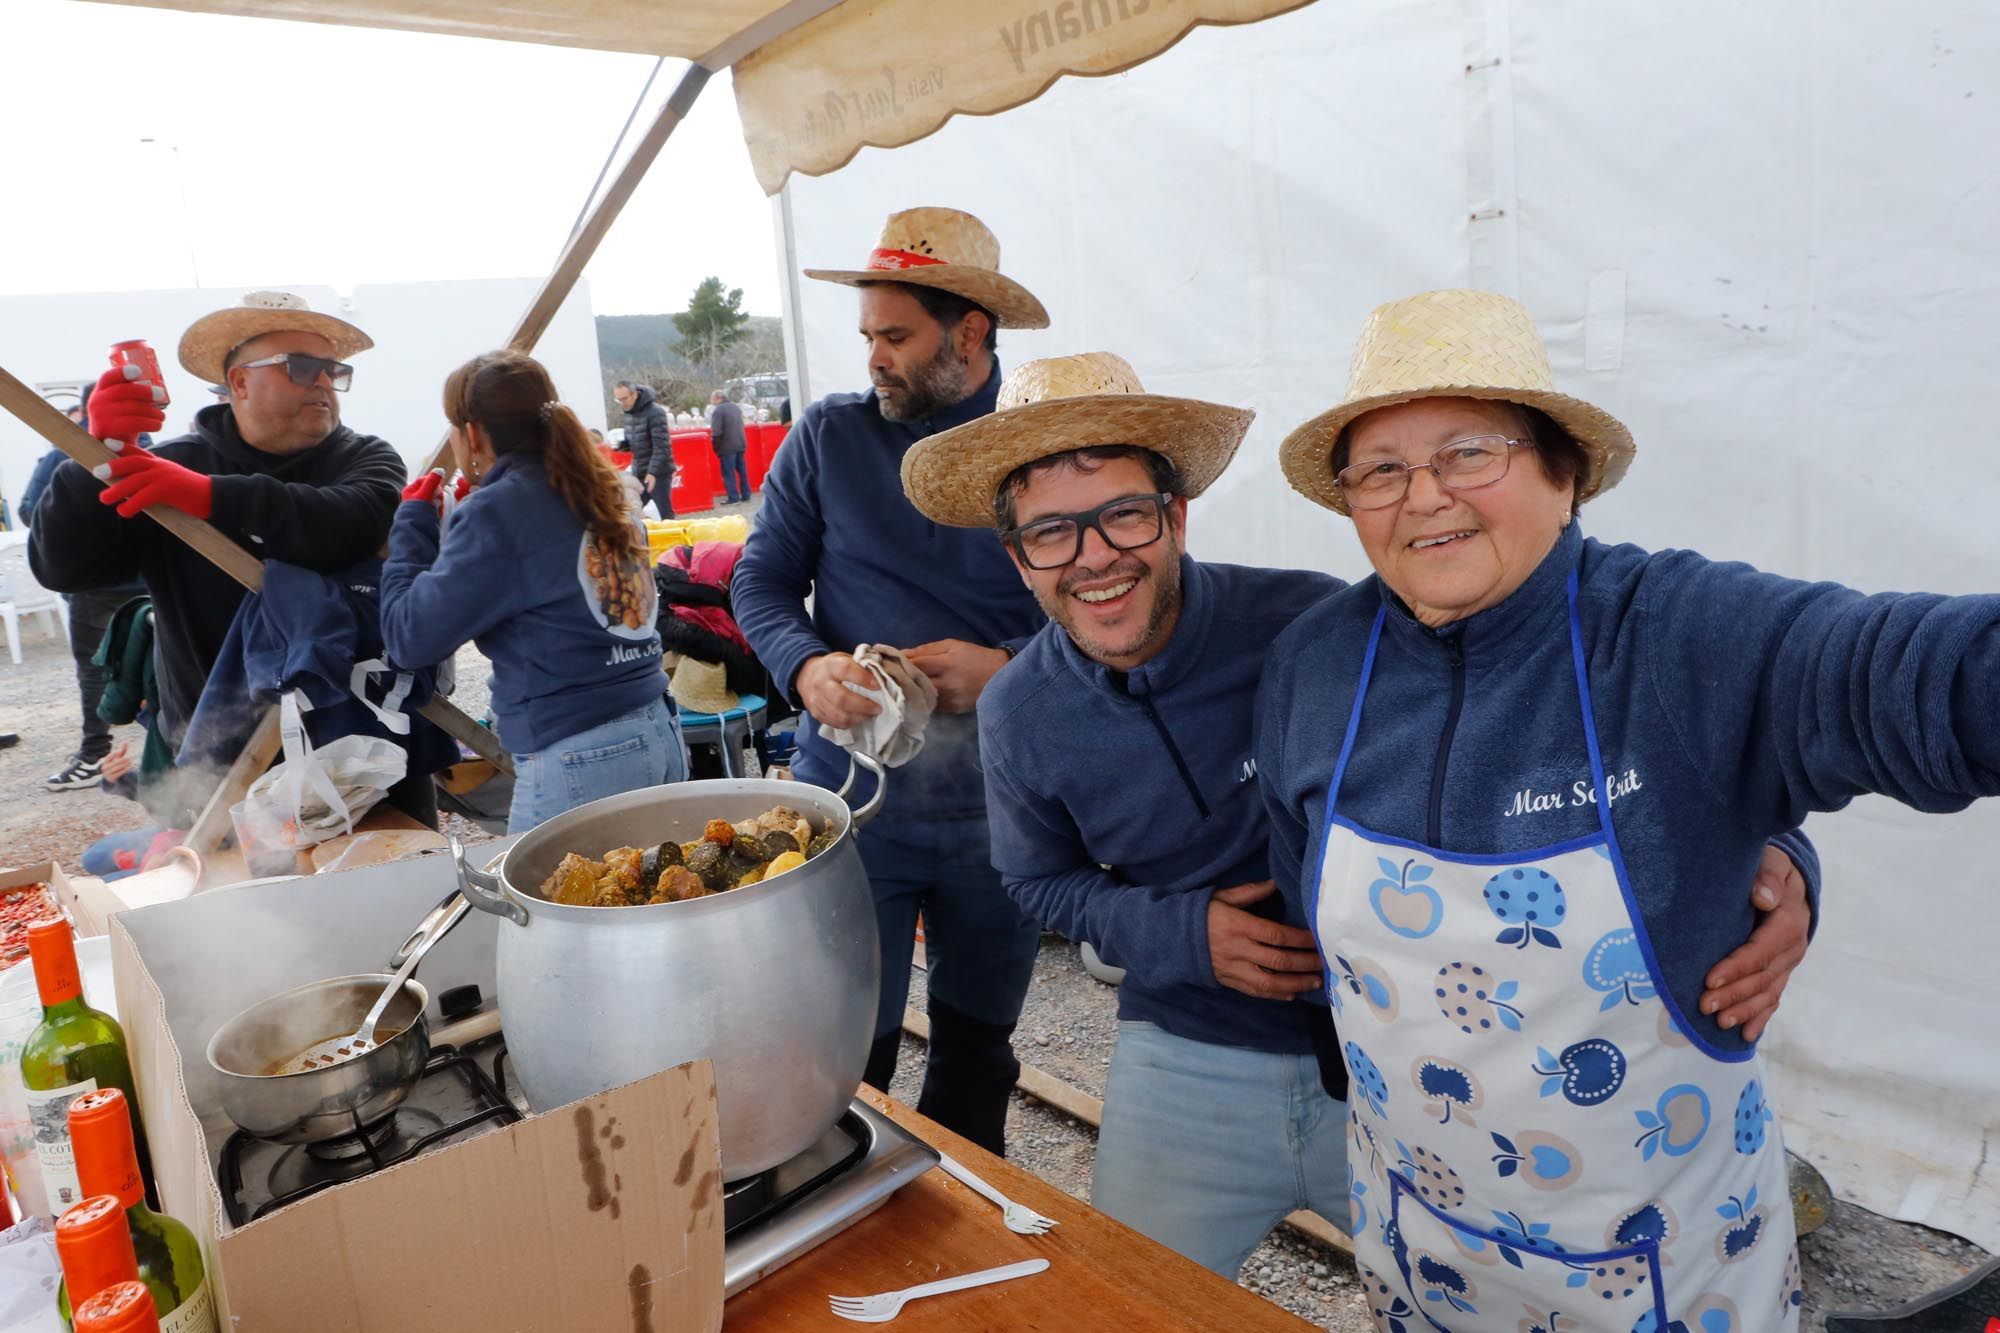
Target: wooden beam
x,y
1080,1105
584,240
41,416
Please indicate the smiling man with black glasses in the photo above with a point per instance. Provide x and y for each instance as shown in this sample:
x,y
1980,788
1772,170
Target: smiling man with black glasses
x,y
1124,804
270,466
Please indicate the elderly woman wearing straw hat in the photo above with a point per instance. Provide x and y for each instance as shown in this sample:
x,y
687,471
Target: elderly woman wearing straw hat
x,y
1511,779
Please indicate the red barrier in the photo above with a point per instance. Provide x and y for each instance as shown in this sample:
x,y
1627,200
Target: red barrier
x,y
697,474
764,439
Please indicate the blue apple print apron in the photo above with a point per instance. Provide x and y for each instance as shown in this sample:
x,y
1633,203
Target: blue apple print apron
x,y
1537,1144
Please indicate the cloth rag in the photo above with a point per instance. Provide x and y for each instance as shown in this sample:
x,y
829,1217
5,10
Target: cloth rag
x,y
907,698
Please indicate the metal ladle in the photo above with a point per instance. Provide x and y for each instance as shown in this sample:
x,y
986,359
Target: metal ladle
x,y
345,1047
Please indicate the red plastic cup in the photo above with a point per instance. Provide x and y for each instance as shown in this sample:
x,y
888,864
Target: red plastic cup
x,y
138,352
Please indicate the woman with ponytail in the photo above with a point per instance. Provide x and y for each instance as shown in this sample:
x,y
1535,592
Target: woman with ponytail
x,y
544,565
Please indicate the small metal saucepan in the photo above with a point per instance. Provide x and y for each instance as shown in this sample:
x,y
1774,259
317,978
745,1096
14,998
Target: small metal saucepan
x,y
324,1103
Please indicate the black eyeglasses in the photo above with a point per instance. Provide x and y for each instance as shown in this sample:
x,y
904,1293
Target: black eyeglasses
x,y
305,371
1462,465
1126,524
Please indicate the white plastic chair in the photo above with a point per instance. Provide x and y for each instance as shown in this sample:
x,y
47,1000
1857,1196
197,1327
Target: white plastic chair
x,y
20,595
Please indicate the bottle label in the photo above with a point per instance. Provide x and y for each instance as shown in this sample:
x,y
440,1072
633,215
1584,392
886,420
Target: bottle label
x,y
48,1113
196,1314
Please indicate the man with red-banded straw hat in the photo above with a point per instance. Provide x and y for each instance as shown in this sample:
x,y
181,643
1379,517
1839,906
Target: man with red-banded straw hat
x,y
270,467
835,527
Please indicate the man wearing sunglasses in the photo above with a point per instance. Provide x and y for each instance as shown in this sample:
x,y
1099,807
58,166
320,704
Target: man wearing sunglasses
x,y
1124,805
270,466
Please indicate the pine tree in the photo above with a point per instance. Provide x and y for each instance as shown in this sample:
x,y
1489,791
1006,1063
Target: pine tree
x,y
712,322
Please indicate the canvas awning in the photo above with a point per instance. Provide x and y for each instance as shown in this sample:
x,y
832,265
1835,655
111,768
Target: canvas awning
x,y
818,80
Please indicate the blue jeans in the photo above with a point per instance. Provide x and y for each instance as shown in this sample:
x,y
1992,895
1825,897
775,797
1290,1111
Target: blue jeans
x,y
735,477
1205,1148
642,748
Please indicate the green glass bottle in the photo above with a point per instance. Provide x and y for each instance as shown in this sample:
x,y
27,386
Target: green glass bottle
x,y
76,1049
101,1125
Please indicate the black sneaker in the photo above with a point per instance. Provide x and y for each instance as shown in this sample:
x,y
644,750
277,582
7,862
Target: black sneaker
x,y
80,774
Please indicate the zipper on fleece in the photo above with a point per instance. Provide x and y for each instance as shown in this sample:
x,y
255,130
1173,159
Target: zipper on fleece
x,y
1167,739
1455,651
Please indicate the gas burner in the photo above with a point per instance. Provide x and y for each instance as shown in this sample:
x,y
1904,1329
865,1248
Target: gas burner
x,y
379,1139
453,1099
768,1219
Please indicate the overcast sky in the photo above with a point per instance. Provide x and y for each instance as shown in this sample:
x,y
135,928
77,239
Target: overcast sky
x,y
308,153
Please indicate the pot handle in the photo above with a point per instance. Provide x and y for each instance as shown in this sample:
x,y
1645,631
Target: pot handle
x,y
483,890
873,806
434,927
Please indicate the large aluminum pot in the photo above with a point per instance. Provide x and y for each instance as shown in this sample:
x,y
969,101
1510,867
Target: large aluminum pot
x,y
776,983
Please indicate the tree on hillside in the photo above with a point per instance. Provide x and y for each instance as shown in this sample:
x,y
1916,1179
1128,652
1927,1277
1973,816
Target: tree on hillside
x,y
712,323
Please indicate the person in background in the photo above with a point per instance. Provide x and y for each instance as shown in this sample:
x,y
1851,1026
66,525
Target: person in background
x,y
273,470
545,568
725,436
1514,780
835,527
45,467
649,439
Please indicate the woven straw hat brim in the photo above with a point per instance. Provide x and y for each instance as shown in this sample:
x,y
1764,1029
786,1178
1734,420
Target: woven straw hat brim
x,y
1307,453
952,476
702,690
1013,306
209,340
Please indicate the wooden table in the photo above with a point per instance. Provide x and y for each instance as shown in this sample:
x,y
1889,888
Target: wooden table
x,y
1102,1274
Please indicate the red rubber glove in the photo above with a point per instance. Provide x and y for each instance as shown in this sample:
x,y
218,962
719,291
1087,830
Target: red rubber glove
x,y
122,407
428,489
139,479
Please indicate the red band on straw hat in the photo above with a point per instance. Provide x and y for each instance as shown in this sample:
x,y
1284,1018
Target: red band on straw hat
x,y
881,258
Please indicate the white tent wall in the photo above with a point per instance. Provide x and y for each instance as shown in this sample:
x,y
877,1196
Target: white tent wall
x,y
1761,234
421,330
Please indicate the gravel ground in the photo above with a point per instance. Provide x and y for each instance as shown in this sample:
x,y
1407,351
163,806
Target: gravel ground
x,y
1858,1260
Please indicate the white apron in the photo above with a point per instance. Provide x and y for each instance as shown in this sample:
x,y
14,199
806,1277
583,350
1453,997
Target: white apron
x,y
1536,1144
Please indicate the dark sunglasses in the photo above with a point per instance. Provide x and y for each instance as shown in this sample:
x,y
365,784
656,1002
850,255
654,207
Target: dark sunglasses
x,y
305,370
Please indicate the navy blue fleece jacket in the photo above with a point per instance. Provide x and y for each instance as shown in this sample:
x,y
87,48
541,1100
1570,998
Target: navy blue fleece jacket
x,y
1117,810
569,651
1729,704
836,525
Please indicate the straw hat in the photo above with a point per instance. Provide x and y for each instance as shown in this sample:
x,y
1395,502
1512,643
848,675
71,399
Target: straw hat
x,y
950,250
210,339
703,687
1055,405
1452,344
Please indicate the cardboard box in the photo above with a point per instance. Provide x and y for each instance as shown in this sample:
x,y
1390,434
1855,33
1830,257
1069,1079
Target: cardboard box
x,y
516,1229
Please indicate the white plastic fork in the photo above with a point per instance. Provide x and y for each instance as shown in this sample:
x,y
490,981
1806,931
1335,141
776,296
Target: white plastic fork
x,y
881,1309
1018,1217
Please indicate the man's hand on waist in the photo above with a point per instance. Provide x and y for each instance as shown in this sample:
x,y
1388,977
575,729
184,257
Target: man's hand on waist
x,y
1263,958
959,669
820,689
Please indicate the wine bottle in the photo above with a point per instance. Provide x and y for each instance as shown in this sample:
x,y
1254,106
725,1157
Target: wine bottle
x,y
100,1124
94,1242
120,1309
76,1049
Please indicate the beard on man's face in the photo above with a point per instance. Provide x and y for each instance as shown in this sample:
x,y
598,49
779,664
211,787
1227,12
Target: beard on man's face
x,y
931,387
1163,584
